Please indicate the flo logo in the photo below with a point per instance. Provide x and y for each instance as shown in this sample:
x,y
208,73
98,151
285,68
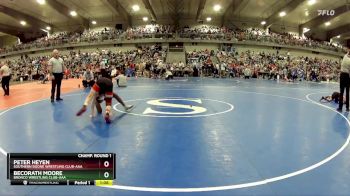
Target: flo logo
x,y
326,12
177,107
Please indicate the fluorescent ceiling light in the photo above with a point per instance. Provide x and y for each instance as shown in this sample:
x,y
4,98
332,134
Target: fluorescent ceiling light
x,y
73,13
41,2
136,8
282,14
311,2
217,7
305,29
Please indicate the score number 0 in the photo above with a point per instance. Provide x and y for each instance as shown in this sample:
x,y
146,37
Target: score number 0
x,y
106,164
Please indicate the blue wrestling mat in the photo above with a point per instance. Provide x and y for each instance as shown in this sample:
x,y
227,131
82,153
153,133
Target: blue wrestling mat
x,y
195,136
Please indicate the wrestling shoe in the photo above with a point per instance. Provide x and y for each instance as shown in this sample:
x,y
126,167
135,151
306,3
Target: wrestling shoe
x,y
107,118
128,108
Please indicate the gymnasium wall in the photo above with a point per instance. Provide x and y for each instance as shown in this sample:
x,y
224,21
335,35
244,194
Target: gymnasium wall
x,y
200,46
242,48
124,47
7,40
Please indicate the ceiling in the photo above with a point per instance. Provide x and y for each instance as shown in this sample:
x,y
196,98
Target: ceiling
x,y
55,13
260,8
306,12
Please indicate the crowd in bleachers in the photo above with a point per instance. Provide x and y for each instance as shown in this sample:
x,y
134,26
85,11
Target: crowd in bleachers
x,y
76,62
100,35
150,61
62,38
283,39
54,39
203,32
263,65
150,31
253,34
29,68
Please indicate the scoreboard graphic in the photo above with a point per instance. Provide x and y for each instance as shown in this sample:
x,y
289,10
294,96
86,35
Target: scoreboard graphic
x,y
61,168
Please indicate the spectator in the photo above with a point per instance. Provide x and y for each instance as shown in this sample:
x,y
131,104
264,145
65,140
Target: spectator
x,y
121,80
88,78
5,75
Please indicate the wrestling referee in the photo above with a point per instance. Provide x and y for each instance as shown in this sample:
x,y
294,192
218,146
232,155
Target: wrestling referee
x,y
344,81
56,73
